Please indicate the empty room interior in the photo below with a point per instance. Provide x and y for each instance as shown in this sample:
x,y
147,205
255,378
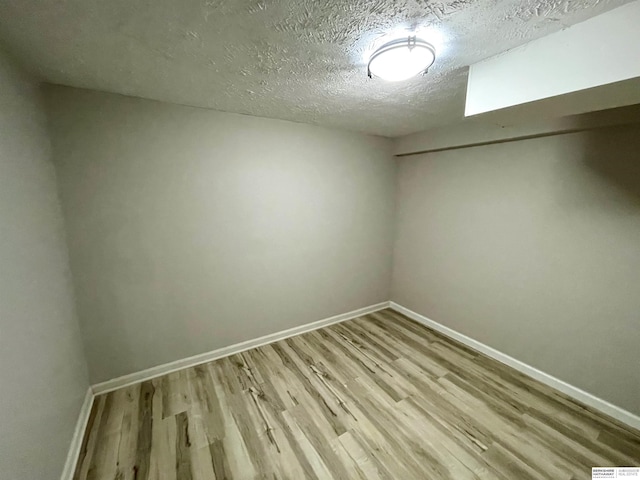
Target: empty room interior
x,y
343,239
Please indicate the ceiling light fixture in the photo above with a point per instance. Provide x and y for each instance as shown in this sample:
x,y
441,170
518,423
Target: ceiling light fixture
x,y
401,59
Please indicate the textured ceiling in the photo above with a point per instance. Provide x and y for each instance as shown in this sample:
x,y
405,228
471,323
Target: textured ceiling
x,y
296,60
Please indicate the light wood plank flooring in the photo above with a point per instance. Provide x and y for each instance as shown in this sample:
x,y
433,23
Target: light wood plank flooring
x,y
379,397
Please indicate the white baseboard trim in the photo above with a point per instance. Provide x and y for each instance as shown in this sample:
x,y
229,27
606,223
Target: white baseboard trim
x,y
160,370
586,398
78,436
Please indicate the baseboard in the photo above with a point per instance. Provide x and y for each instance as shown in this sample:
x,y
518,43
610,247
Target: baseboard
x,y
78,435
160,370
586,398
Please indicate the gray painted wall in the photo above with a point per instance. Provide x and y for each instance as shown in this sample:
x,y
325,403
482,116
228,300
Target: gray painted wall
x,y
43,373
532,248
191,230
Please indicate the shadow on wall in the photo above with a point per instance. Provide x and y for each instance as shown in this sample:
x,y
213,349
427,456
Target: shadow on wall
x,y
613,154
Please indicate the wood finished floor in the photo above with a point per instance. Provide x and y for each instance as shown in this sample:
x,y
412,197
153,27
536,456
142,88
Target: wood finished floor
x,y
379,397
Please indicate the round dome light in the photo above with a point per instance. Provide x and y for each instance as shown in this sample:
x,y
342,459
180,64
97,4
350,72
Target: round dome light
x,y
401,59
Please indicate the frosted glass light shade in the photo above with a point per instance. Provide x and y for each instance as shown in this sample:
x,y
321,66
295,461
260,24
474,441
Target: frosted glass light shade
x,y
401,59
